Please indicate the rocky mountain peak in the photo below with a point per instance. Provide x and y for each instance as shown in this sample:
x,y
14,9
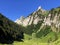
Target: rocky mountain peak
x,y
39,7
20,20
22,17
49,18
33,18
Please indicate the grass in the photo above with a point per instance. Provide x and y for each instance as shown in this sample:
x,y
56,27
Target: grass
x,y
30,43
29,40
34,42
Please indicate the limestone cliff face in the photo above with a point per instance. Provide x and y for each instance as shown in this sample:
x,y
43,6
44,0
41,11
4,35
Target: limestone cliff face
x,y
33,18
53,19
50,18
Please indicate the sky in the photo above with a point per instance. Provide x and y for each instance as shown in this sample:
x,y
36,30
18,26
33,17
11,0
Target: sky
x,y
14,9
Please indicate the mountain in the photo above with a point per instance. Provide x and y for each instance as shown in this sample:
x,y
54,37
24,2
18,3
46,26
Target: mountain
x,y
43,24
49,18
9,31
33,18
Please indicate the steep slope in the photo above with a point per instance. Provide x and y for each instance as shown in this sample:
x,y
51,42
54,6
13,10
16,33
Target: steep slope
x,y
33,18
42,23
9,31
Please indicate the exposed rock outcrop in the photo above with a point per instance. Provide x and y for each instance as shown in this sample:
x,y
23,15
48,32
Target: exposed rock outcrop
x,y
50,18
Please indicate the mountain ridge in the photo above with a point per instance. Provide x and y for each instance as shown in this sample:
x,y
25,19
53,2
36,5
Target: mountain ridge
x,y
39,15
42,20
31,17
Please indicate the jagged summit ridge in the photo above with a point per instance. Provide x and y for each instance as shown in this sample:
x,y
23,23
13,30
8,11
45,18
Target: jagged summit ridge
x,y
20,20
47,18
33,18
39,7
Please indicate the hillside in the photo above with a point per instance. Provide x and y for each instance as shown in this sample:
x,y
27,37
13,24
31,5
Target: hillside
x,y
43,25
9,31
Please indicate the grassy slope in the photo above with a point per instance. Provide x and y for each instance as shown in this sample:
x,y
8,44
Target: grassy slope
x,y
38,41
42,41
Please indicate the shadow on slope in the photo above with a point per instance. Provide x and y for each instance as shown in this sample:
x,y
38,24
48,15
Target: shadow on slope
x,y
10,31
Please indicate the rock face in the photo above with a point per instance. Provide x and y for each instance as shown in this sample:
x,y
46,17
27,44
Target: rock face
x,y
50,18
33,18
9,31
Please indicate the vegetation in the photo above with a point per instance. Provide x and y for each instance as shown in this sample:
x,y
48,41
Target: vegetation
x,y
10,31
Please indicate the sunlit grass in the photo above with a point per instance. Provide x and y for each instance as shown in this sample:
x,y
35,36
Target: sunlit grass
x,y
32,43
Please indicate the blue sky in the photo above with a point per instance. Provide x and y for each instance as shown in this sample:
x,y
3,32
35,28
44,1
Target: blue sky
x,y
13,9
